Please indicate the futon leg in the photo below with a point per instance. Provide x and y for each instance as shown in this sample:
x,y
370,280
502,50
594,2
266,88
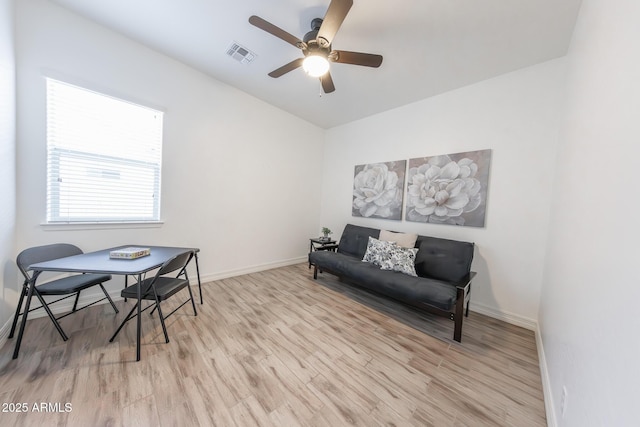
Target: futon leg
x,y
468,298
457,327
315,272
458,315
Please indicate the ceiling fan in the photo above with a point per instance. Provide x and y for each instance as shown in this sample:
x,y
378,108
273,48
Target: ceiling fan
x,y
316,45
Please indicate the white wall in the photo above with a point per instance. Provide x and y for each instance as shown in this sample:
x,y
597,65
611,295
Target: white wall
x,y
9,286
238,175
233,168
588,311
514,115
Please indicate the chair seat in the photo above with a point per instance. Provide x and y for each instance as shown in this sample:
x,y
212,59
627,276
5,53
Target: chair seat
x,y
165,287
72,284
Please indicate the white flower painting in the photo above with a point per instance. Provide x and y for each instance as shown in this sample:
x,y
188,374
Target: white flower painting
x,y
378,189
449,189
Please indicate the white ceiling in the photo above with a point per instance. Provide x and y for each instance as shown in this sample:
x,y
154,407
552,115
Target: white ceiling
x,y
429,46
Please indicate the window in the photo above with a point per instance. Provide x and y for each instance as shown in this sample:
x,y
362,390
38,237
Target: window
x,y
104,157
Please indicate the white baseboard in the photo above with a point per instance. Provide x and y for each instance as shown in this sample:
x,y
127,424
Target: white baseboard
x,y
251,269
514,319
549,407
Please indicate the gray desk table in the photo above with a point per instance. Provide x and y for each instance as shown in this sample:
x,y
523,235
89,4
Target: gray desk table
x,y
99,262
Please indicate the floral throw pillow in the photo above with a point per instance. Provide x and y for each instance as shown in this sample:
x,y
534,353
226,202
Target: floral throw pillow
x,y
378,251
402,260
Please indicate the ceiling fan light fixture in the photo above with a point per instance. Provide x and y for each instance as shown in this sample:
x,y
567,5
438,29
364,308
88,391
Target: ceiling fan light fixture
x,y
315,65
316,45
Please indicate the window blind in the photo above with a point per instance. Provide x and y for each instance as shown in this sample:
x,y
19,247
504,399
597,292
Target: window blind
x,y
104,157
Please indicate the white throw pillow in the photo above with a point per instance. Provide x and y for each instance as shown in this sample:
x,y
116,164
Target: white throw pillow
x,y
406,240
378,251
402,260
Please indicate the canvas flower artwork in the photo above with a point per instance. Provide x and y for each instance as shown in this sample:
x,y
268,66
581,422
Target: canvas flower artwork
x,y
378,190
448,189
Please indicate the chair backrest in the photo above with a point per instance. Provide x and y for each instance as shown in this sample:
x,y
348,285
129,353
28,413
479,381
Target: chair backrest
x,y
175,263
44,253
178,262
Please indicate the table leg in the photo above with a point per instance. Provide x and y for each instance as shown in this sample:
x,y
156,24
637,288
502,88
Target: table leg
x,y
198,273
139,320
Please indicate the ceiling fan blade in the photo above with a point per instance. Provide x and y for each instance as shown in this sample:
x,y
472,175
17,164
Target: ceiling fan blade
x,y
276,31
327,83
286,68
356,58
332,21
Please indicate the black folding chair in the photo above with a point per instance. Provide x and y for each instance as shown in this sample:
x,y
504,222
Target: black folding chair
x,y
159,288
69,286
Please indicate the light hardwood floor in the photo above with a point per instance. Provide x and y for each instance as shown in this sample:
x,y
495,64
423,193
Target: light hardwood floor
x,y
276,348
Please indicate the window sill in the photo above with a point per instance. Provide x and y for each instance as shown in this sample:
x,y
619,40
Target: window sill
x,y
67,226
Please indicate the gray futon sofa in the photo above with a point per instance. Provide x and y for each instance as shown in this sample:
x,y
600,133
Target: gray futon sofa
x,y
443,266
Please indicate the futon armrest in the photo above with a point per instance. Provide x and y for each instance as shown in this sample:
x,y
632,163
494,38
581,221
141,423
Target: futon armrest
x,y
465,282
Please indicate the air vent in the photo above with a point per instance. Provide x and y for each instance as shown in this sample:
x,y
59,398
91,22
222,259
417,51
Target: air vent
x,y
241,53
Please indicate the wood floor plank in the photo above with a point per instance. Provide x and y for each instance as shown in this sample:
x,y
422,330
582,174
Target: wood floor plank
x,y
206,403
341,401
249,412
301,401
340,383
264,385
105,411
402,402
178,416
141,413
285,416
291,354
277,348
385,415
227,377
433,415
